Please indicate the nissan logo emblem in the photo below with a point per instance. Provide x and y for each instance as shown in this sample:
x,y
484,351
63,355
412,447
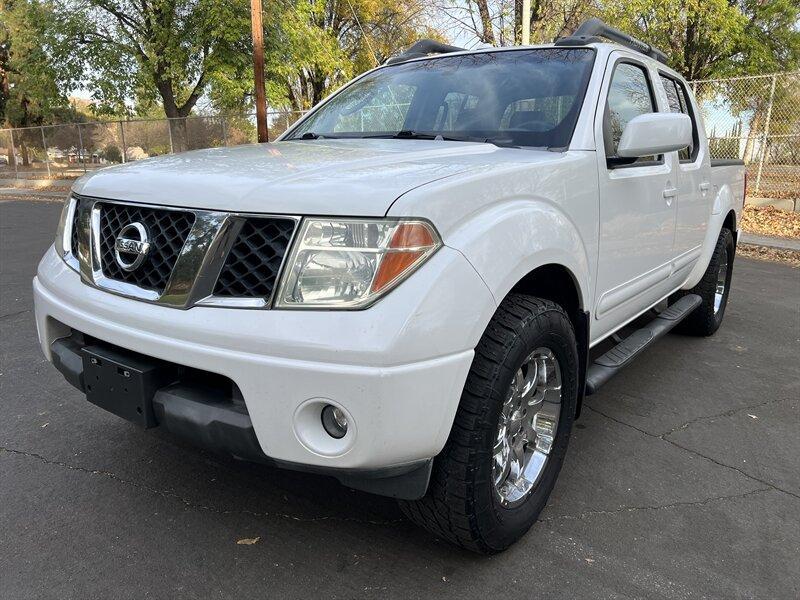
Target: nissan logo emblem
x,y
131,246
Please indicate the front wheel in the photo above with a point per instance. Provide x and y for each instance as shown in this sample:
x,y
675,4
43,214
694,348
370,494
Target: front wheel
x,y
714,289
511,430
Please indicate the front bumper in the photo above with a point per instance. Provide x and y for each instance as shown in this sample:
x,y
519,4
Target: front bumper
x,y
397,369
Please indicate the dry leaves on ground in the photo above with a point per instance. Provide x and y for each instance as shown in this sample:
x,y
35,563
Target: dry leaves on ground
x,y
789,257
768,220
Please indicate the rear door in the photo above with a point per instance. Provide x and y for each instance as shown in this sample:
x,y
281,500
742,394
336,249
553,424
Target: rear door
x,y
637,203
694,185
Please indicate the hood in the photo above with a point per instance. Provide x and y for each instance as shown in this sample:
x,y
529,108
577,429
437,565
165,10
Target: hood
x,y
355,177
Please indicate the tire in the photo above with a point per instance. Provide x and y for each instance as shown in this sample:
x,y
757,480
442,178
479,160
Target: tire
x,y
462,504
706,318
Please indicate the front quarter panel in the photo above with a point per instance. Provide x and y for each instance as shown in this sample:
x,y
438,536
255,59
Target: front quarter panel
x,y
507,221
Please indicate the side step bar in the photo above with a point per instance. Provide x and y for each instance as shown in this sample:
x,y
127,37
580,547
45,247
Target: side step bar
x,y
613,361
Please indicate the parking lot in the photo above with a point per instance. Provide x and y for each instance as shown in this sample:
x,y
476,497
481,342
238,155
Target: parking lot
x,y
682,481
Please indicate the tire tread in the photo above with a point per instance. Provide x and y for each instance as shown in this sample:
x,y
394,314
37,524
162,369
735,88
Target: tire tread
x,y
447,510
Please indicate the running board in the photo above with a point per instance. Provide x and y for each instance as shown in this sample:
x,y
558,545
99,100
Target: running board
x,y
621,355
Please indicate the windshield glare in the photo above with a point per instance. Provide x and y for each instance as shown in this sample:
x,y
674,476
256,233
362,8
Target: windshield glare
x,y
522,97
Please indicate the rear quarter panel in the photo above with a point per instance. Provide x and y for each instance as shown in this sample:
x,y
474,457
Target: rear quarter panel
x,y
728,191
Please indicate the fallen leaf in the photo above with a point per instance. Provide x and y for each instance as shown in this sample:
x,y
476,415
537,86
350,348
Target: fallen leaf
x,y
248,541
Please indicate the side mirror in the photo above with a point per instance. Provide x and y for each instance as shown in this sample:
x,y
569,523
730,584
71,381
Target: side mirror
x,y
655,133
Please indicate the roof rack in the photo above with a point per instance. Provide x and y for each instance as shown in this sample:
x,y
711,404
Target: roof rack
x,y
420,49
593,30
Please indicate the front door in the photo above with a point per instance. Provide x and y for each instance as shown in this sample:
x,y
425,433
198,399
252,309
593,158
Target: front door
x,y
638,202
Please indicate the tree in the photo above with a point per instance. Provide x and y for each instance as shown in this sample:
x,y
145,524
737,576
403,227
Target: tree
x,y
499,22
715,38
33,85
157,51
316,45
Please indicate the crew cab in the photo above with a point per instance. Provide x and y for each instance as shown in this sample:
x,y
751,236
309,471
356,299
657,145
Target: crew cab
x,y
414,288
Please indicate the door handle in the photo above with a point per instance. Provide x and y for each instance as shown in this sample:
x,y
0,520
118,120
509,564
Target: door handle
x,y
704,187
669,194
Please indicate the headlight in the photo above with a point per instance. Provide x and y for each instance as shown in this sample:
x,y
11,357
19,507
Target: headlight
x,y
351,263
63,240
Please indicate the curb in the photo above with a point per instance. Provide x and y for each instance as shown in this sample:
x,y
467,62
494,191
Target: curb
x,y
780,243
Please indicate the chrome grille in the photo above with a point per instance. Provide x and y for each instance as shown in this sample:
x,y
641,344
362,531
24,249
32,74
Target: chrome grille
x,y
168,230
193,256
253,262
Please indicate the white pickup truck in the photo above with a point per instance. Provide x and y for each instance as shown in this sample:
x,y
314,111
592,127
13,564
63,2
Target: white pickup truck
x,y
413,289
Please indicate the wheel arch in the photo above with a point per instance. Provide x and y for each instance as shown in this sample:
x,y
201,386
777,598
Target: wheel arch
x,y
730,223
723,215
559,284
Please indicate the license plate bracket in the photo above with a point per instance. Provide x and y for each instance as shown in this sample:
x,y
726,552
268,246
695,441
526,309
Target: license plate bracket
x,y
124,383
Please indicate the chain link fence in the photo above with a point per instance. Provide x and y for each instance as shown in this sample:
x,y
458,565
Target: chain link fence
x,y
66,151
755,118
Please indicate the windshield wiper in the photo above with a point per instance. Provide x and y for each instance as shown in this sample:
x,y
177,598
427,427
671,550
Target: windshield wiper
x,y
408,134
404,134
310,135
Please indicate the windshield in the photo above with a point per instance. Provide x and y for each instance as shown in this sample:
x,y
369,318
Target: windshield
x,y
523,98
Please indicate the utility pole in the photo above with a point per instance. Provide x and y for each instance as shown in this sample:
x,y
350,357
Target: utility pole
x,y
526,22
258,70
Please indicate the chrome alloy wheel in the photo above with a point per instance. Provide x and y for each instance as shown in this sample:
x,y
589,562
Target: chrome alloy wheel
x,y
722,282
527,427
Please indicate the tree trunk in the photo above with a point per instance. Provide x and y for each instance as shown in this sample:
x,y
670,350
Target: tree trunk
x,y
487,35
23,150
179,134
177,115
318,88
752,135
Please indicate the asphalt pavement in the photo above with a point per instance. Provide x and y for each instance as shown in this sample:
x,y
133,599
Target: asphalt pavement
x,y
682,481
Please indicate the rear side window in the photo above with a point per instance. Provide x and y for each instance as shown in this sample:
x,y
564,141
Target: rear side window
x,y
678,100
628,97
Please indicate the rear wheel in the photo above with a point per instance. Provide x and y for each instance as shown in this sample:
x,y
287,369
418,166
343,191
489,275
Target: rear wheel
x,y
511,430
713,288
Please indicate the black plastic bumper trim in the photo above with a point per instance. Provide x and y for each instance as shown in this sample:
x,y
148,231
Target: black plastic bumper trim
x,y
207,417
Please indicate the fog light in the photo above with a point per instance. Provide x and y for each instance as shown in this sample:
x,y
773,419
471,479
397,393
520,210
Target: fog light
x,y
334,421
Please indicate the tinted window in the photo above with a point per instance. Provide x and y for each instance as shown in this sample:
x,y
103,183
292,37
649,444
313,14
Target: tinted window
x,y
679,102
520,97
628,97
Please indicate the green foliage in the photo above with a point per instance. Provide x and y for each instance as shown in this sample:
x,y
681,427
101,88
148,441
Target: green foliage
x,y
163,52
33,84
714,38
314,46
112,153
771,40
163,57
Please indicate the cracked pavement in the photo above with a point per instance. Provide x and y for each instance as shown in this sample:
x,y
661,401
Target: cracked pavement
x,y
682,481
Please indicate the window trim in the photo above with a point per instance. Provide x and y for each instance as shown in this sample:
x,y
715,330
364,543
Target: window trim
x,y
691,114
659,160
